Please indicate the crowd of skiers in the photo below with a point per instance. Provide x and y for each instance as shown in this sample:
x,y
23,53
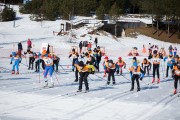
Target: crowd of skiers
x,y
87,61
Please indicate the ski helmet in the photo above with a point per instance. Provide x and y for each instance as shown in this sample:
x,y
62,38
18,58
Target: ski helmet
x,y
110,61
81,63
86,54
14,54
155,52
95,50
119,58
106,58
176,56
134,58
98,47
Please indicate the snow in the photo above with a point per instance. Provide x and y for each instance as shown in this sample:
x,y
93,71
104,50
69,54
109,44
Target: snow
x,y
23,98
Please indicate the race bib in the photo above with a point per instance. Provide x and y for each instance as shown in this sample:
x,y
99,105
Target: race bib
x,y
48,61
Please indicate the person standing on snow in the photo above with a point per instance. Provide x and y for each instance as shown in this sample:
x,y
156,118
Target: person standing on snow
x,y
15,60
80,47
96,41
175,51
144,49
111,69
156,59
170,49
56,60
84,71
176,75
170,63
38,61
48,68
146,65
20,48
75,56
29,45
99,55
120,64
31,59
136,73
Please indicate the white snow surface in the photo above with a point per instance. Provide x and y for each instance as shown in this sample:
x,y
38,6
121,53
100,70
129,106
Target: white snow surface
x,y
23,98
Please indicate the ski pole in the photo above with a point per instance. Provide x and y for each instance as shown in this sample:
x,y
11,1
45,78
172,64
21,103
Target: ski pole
x,y
24,64
57,78
39,70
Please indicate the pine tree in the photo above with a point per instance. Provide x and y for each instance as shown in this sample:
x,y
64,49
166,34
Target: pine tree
x,y
100,12
8,14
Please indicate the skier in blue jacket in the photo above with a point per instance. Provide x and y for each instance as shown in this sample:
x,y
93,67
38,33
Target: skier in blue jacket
x,y
15,60
170,63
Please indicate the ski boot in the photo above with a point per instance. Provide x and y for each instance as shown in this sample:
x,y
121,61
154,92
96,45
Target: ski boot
x,y
108,82
29,68
13,72
138,89
158,81
114,82
131,89
17,72
52,85
75,80
153,80
79,91
175,91
46,84
86,91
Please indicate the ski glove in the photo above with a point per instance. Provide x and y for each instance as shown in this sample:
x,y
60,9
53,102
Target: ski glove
x,y
141,78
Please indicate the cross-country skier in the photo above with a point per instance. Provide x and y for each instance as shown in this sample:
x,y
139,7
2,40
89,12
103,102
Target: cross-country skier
x,y
75,56
90,59
136,73
156,59
176,75
99,55
111,69
84,71
146,65
31,59
175,51
170,63
120,64
38,61
56,60
48,68
170,49
15,60
29,45
20,48
105,63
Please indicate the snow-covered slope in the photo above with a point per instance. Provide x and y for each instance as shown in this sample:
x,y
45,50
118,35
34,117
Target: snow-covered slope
x,y
23,98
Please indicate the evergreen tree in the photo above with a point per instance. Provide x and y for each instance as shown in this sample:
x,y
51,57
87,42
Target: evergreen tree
x,y
100,12
8,14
